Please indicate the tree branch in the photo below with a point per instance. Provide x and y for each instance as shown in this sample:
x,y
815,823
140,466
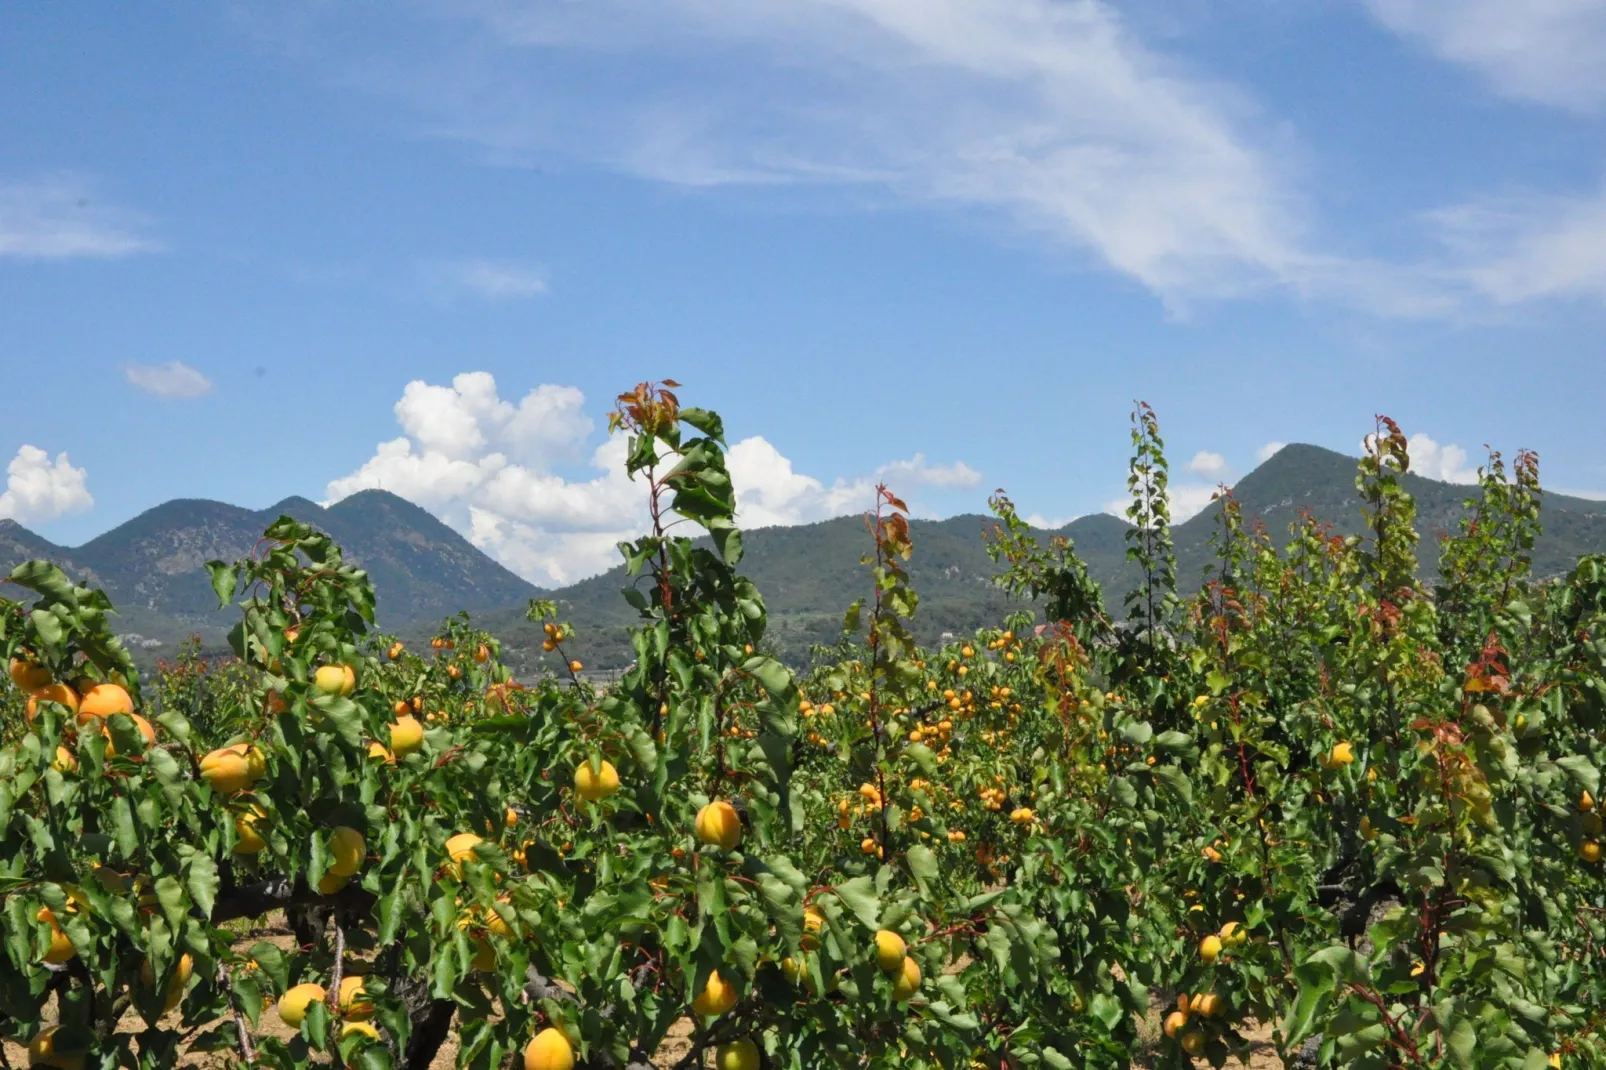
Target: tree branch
x,y
279,893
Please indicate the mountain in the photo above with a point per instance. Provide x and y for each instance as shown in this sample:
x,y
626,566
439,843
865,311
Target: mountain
x,y
153,566
423,570
809,574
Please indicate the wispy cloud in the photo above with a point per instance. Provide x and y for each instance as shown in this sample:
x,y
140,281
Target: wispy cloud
x,y
1053,114
60,217
1517,250
175,379
490,280
1550,51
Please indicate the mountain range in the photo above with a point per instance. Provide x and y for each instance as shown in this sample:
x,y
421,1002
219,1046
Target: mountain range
x,y
423,570
153,566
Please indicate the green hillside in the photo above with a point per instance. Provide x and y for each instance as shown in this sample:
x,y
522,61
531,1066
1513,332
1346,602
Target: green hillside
x,y
809,574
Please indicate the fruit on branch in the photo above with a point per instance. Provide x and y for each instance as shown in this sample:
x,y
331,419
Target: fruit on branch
x,y
338,680
890,951
247,840
595,785
103,700
716,998
406,735
232,769
177,980
295,1001
739,1054
907,983
549,1050
719,825
60,694
347,849
29,676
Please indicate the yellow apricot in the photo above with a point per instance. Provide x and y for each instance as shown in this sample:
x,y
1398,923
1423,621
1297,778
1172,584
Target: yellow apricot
x,y
61,948
352,1002
890,950
347,849
593,785
406,735
231,769
335,679
549,1050
60,694
295,1001
43,1050
716,998
176,981
719,825
247,840
907,983
739,1054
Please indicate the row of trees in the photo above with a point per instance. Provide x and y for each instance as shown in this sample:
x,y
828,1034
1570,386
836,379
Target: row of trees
x,y
1317,795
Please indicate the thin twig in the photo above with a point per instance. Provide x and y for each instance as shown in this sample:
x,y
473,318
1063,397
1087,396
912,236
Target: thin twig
x,y
247,1052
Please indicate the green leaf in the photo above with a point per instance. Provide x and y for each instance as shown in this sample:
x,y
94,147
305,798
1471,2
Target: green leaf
x,y
1460,1037
923,865
1582,772
859,896
202,881
1174,780
224,581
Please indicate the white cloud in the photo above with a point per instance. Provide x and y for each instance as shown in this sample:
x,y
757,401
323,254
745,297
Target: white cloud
x,y
1052,113
1550,51
61,218
38,488
916,472
1522,250
489,468
1050,523
1185,499
1447,463
175,379
1431,460
490,280
1268,451
1208,464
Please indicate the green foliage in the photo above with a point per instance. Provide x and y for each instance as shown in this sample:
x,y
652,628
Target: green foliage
x,y
1309,796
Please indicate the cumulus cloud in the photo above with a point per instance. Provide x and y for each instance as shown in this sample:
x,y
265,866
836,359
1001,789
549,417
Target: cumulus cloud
x,y
496,471
175,379
1447,463
61,217
1186,500
1209,465
489,280
1550,51
39,489
1268,451
1429,459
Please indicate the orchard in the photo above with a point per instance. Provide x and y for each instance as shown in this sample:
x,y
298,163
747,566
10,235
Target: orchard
x,y
1322,801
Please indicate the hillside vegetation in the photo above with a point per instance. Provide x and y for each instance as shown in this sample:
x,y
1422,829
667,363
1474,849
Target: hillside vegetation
x,y
423,570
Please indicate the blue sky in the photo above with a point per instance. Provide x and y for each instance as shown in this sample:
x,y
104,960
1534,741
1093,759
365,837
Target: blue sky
x,y
251,250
